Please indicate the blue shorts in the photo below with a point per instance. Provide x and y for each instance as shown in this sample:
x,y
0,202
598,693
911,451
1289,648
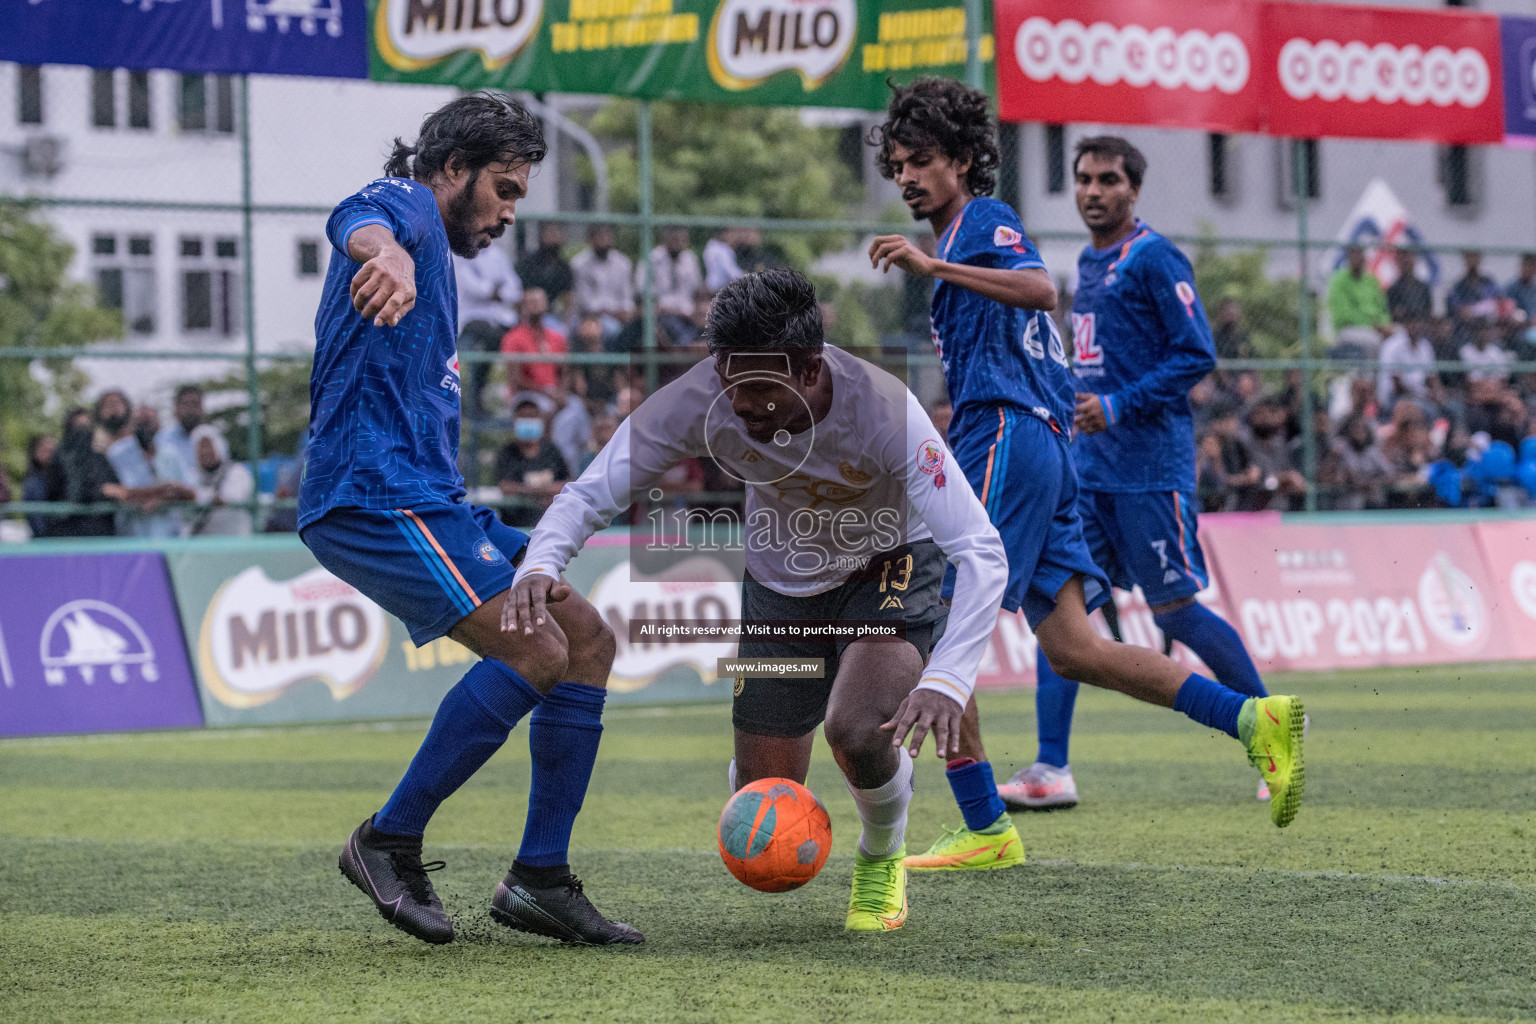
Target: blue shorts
x,y
1021,470
1147,539
428,565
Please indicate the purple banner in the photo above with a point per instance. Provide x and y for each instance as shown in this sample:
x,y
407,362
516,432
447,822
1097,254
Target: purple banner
x,y
91,643
1518,43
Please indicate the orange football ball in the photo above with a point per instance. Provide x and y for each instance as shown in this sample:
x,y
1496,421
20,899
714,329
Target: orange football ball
x,y
774,835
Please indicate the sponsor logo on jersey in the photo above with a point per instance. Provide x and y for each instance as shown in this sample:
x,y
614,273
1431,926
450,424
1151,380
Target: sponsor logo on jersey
x,y
930,457
87,636
1085,340
416,34
489,553
450,381
855,476
752,40
261,636
892,601
1172,576
1186,293
1005,235
750,455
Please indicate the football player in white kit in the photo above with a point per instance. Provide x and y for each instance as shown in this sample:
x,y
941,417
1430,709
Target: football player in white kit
x,y
853,509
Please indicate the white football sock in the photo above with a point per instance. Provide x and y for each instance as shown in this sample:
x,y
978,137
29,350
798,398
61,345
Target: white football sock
x,y
884,811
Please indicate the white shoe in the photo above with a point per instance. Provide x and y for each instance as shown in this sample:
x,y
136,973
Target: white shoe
x,y
1040,787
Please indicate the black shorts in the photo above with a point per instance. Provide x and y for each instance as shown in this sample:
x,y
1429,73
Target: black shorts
x,y
901,586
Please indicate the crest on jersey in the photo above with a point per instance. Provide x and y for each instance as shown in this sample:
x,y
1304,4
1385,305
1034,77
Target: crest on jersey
x,y
855,476
1186,293
930,458
1005,235
488,553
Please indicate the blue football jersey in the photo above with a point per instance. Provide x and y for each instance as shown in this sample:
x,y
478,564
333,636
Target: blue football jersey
x,y
1140,341
384,401
996,355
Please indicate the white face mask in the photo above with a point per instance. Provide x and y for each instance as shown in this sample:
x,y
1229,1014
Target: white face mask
x,y
526,428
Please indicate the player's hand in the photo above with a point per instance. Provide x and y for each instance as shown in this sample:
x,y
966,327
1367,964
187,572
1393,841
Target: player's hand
x,y
900,251
926,711
524,607
384,290
1088,417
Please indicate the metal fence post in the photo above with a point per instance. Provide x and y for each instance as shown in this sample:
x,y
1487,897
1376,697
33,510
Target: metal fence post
x,y
252,383
975,76
1300,173
647,241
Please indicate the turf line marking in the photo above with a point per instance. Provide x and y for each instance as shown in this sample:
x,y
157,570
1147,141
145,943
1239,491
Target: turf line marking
x,y
1342,876
5,664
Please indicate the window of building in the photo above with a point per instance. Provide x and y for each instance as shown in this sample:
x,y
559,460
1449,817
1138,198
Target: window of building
x,y
1460,175
126,281
309,258
1220,166
138,99
1291,156
29,94
103,98
1008,163
207,103
209,285
1055,158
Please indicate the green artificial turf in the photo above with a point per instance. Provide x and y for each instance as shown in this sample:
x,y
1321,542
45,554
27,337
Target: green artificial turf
x,y
192,877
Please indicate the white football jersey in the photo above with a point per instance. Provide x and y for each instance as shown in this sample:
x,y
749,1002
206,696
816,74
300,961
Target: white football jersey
x,y
872,475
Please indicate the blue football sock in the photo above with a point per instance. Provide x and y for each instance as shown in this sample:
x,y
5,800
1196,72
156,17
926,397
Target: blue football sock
x,y
976,792
1218,645
563,733
1209,703
471,724
1054,699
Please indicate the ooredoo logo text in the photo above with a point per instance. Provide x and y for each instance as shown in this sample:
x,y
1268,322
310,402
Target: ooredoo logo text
x,y
1329,70
1133,54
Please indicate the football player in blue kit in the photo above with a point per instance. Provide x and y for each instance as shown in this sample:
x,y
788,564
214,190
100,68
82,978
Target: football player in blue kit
x,y
382,507
1014,400
1141,341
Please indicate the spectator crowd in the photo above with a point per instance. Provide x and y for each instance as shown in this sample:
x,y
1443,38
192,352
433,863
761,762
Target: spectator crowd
x,y
1395,432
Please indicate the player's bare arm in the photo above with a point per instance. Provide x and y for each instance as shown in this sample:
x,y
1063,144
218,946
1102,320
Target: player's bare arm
x,y
384,289
1028,288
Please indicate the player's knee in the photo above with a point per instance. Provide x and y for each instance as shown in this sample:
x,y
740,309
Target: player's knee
x,y
851,730
539,657
1073,657
591,645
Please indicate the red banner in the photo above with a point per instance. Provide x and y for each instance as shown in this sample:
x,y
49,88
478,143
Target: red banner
x,y
1374,72
1129,62
1291,69
1313,597
1509,550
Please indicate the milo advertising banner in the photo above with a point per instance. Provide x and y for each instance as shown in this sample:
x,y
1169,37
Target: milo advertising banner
x,y
835,53
274,637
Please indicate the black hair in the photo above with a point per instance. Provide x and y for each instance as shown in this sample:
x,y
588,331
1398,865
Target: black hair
x,y
188,389
33,444
944,115
766,309
1109,147
528,402
102,398
482,128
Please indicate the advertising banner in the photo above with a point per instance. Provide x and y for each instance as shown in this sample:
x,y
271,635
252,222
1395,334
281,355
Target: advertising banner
x,y
1154,62
90,643
1315,597
1509,550
1517,37
1374,72
277,37
834,53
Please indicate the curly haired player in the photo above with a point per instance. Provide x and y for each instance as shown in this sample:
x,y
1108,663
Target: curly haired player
x,y
1012,389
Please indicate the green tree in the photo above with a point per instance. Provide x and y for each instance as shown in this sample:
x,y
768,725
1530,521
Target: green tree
x,y
39,308
1270,306
723,161
284,391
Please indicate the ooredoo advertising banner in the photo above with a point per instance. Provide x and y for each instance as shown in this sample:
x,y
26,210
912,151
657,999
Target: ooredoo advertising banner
x,y
1316,597
1379,72
1130,62
1509,550
90,643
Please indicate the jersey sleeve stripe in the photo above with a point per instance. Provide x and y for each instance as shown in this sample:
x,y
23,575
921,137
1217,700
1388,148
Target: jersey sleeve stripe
x,y
468,590
346,237
936,679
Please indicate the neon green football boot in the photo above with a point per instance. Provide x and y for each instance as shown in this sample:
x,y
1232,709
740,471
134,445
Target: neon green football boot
x,y
960,849
1273,728
879,901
